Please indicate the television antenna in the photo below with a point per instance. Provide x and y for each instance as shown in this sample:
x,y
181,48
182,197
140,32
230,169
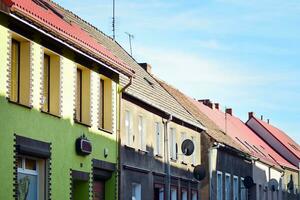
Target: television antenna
x,y
130,37
114,20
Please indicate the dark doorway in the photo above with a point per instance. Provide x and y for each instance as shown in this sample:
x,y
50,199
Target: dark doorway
x,y
99,190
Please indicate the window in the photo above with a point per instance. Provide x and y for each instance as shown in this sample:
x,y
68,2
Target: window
x,y
173,193
20,71
101,105
227,187
194,155
235,188
194,195
136,191
51,81
82,111
173,153
142,134
78,114
15,71
219,186
183,137
158,136
159,192
31,180
243,190
128,128
46,79
184,195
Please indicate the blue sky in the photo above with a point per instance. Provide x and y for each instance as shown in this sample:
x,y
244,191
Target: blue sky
x,y
243,54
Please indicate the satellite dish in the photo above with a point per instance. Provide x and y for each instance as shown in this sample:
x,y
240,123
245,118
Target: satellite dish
x,y
199,172
273,185
248,182
187,147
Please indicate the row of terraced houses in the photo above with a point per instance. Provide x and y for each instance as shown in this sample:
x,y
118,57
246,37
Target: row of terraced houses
x,y
81,119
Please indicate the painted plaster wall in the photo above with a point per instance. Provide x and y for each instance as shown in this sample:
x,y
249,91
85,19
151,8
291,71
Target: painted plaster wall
x,y
60,132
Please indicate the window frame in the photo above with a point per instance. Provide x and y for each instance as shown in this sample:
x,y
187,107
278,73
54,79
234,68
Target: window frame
x,y
128,129
101,103
139,186
48,83
172,146
158,138
174,188
193,191
142,133
243,190
221,192
18,71
237,189
228,192
182,190
36,172
78,95
183,137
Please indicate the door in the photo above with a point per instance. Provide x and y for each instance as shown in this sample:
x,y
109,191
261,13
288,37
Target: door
x,y
99,190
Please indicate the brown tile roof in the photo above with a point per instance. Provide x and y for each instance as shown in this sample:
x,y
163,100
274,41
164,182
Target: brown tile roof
x,y
212,129
144,86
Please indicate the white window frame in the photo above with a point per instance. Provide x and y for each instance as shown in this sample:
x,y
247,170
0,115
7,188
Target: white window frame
x,y
194,155
158,139
137,192
172,146
142,132
227,190
176,193
128,128
31,172
243,190
235,190
221,174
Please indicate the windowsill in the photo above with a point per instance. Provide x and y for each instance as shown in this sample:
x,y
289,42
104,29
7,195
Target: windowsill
x,y
158,156
19,104
143,151
82,123
51,114
184,163
105,130
129,147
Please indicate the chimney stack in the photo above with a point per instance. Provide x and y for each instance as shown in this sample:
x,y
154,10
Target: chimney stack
x,y
250,115
206,102
229,111
262,117
268,121
217,106
147,67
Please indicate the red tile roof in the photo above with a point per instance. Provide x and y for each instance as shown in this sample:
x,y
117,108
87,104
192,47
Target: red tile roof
x,y
49,19
238,131
283,138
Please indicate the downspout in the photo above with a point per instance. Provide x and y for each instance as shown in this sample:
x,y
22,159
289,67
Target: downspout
x,y
118,143
167,157
216,146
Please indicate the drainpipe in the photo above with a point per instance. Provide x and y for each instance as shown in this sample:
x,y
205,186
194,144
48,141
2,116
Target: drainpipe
x,y
167,157
216,146
118,143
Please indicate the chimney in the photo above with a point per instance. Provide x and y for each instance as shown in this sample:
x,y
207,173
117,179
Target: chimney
x,y
206,102
217,106
229,111
147,67
268,121
250,115
262,117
